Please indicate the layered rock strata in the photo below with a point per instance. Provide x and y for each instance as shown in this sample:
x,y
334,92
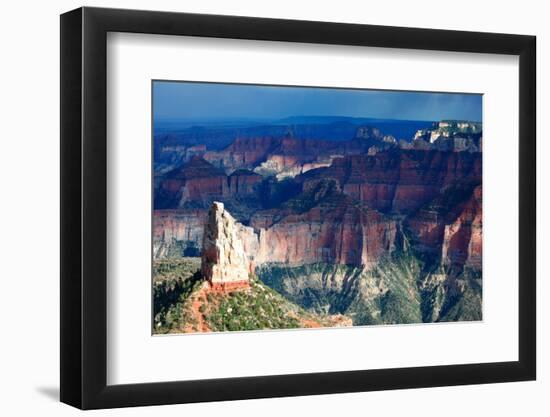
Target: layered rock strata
x,y
453,234
178,233
226,246
397,181
355,220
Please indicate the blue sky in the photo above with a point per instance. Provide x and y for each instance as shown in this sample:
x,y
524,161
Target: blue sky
x,y
190,100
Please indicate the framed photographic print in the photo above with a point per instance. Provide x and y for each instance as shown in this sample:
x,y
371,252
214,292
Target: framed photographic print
x,y
257,207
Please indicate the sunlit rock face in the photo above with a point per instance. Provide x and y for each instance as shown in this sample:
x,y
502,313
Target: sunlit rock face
x,y
286,157
225,248
462,243
450,135
332,231
177,233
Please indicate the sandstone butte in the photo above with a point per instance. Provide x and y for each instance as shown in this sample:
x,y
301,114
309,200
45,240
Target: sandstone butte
x,y
225,262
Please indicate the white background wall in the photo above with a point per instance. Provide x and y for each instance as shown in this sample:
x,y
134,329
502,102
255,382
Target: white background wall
x,y
29,219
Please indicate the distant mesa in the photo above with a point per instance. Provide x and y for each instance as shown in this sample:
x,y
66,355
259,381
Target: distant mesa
x,y
368,132
449,135
197,167
242,182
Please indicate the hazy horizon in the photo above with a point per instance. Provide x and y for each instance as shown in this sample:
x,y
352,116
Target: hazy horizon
x,y
176,101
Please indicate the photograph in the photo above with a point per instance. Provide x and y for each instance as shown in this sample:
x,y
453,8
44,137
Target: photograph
x,y
242,208
298,207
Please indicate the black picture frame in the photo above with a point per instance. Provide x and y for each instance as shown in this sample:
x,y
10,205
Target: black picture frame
x,y
84,207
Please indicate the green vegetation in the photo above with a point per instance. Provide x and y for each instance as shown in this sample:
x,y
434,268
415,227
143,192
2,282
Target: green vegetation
x,y
181,304
451,295
321,288
398,290
170,269
181,248
173,282
465,306
387,293
254,309
399,299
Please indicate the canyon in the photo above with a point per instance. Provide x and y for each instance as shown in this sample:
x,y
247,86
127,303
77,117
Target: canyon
x,y
369,228
347,213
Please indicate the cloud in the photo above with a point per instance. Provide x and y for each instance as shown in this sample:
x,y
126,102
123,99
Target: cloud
x,y
195,100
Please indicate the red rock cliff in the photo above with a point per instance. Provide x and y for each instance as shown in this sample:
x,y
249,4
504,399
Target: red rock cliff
x,y
175,231
334,229
454,234
345,235
347,212
399,181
